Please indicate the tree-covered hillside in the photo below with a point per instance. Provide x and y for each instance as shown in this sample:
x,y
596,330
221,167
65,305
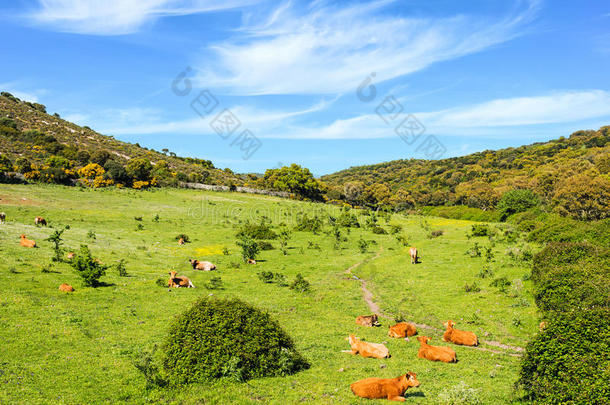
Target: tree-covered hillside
x,y
46,148
571,175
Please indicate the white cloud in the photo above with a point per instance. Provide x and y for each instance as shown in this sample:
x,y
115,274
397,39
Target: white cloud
x,y
118,17
492,118
330,50
16,90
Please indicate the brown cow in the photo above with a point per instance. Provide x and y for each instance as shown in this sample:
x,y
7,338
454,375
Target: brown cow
x,y
27,243
251,261
385,388
459,337
181,241
179,281
401,330
542,326
366,349
40,221
435,353
2,217
66,288
70,255
368,320
413,254
206,266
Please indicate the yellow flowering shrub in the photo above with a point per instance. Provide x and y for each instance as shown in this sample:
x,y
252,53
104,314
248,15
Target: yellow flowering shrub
x,y
91,171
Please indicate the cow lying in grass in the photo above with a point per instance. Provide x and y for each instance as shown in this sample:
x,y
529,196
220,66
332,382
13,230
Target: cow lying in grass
x,y
179,281
368,320
181,241
385,388
413,254
401,330
366,349
66,288
459,337
40,221
205,266
251,261
27,242
435,353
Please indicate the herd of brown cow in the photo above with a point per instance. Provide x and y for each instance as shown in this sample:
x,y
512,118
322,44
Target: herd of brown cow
x,y
372,388
395,388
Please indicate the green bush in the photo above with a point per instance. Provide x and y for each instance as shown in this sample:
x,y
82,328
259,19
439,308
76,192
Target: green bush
x,y
265,276
569,361
517,200
561,253
378,230
304,223
347,220
227,338
479,230
462,212
256,231
88,268
249,248
300,284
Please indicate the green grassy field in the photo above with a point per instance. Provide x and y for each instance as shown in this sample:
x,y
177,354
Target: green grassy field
x,y
80,347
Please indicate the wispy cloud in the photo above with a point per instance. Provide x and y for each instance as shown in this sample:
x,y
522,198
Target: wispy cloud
x,y
104,17
329,49
17,90
483,119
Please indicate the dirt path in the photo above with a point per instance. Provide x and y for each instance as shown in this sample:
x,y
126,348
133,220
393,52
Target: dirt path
x,y
367,295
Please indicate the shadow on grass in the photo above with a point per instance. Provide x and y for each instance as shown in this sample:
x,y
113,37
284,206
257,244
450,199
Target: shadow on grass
x,y
415,394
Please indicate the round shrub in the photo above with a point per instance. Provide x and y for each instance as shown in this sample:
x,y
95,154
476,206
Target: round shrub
x,y
227,338
517,200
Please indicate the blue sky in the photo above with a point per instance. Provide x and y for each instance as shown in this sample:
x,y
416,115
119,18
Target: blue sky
x,y
475,74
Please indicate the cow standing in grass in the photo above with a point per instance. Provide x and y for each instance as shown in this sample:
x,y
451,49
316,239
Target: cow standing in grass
x,y
2,217
413,254
40,221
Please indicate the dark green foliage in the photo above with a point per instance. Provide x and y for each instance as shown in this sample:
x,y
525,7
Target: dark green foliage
x,y
100,157
558,254
265,276
256,231
474,287
300,284
88,268
115,171
501,283
304,223
57,241
363,245
479,230
5,164
568,362
120,268
517,200
395,229
23,165
264,245
161,282
249,247
294,179
227,338
347,220
474,251
378,230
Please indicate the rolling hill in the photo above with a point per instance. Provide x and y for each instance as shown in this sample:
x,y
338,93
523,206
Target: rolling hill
x,y
28,131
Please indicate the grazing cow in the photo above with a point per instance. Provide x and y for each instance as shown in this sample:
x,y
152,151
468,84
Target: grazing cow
x,y
27,243
2,217
366,349
435,353
206,266
70,255
66,288
385,388
181,241
40,221
402,329
368,320
459,337
251,261
413,254
179,281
